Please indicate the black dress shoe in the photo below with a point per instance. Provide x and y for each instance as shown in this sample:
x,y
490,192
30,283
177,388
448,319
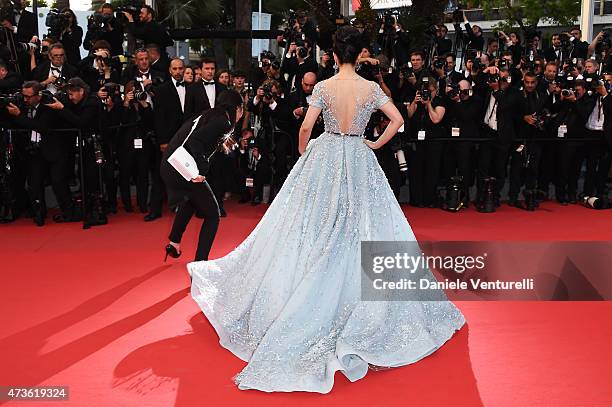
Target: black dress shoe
x,y
572,199
151,216
256,201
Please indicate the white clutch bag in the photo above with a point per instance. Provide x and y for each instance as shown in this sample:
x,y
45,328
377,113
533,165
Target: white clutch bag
x,y
182,161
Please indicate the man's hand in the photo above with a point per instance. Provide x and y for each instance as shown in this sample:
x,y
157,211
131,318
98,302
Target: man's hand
x,y
50,79
56,105
163,147
146,82
129,16
127,98
13,110
7,24
530,119
199,178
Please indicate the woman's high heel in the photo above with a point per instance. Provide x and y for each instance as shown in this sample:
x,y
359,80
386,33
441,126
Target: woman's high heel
x,y
171,250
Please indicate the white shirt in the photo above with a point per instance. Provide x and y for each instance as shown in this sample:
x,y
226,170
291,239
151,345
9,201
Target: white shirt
x,y
34,135
210,92
181,93
596,119
490,118
57,72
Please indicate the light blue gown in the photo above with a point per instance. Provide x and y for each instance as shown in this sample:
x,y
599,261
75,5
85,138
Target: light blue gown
x,y
287,299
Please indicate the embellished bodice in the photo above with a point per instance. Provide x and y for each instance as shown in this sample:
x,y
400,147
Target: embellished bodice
x,y
347,104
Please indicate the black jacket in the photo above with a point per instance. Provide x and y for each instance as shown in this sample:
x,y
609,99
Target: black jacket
x,y
196,100
151,33
203,141
72,43
53,145
85,115
168,112
11,83
26,28
508,114
467,115
90,75
41,73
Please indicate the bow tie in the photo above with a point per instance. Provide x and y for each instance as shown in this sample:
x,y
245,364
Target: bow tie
x,y
143,74
180,84
208,83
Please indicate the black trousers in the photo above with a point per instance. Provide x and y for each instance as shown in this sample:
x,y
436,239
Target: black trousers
x,y
201,202
216,176
458,156
598,161
524,173
157,184
424,171
137,162
57,169
282,154
570,155
493,161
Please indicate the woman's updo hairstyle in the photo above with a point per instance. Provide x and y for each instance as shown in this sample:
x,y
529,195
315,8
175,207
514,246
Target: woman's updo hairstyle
x,y
348,42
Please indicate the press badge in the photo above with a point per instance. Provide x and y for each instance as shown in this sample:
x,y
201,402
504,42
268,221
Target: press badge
x,y
249,182
455,131
137,143
421,135
562,131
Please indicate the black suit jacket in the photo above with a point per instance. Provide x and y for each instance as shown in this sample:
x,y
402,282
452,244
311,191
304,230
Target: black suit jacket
x,y
201,144
54,146
11,83
26,28
41,72
508,113
196,100
168,112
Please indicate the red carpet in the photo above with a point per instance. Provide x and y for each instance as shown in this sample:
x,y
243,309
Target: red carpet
x,y
98,311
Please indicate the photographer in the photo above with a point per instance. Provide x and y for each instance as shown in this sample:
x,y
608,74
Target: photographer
x,y
55,73
473,39
82,110
146,29
426,112
100,68
103,26
300,27
370,68
49,152
555,52
297,62
410,75
41,55
71,37
136,145
574,109
20,22
253,164
442,45
298,104
141,73
159,61
597,153
525,156
394,41
463,114
578,48
500,120
10,82
326,66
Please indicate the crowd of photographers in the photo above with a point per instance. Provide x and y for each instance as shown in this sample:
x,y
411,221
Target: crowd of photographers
x,y
512,111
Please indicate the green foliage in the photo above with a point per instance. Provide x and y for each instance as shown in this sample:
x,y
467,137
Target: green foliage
x,y
368,17
529,13
418,17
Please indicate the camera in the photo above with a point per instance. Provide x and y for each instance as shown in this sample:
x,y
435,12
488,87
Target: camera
x,y
57,22
439,63
267,89
477,64
46,97
406,70
454,92
16,99
132,9
425,92
567,92
492,78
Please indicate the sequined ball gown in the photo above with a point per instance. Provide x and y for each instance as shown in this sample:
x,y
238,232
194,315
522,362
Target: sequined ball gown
x,y
287,299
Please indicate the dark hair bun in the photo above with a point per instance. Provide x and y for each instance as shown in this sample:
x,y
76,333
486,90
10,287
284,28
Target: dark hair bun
x,y
348,42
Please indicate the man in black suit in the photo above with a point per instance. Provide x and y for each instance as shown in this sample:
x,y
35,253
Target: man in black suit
x,y
159,60
55,73
554,53
298,104
23,23
49,154
99,68
200,96
579,49
169,103
147,29
500,125
298,61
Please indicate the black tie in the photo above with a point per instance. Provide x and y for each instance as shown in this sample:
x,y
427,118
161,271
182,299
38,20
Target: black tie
x,y
180,84
208,83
